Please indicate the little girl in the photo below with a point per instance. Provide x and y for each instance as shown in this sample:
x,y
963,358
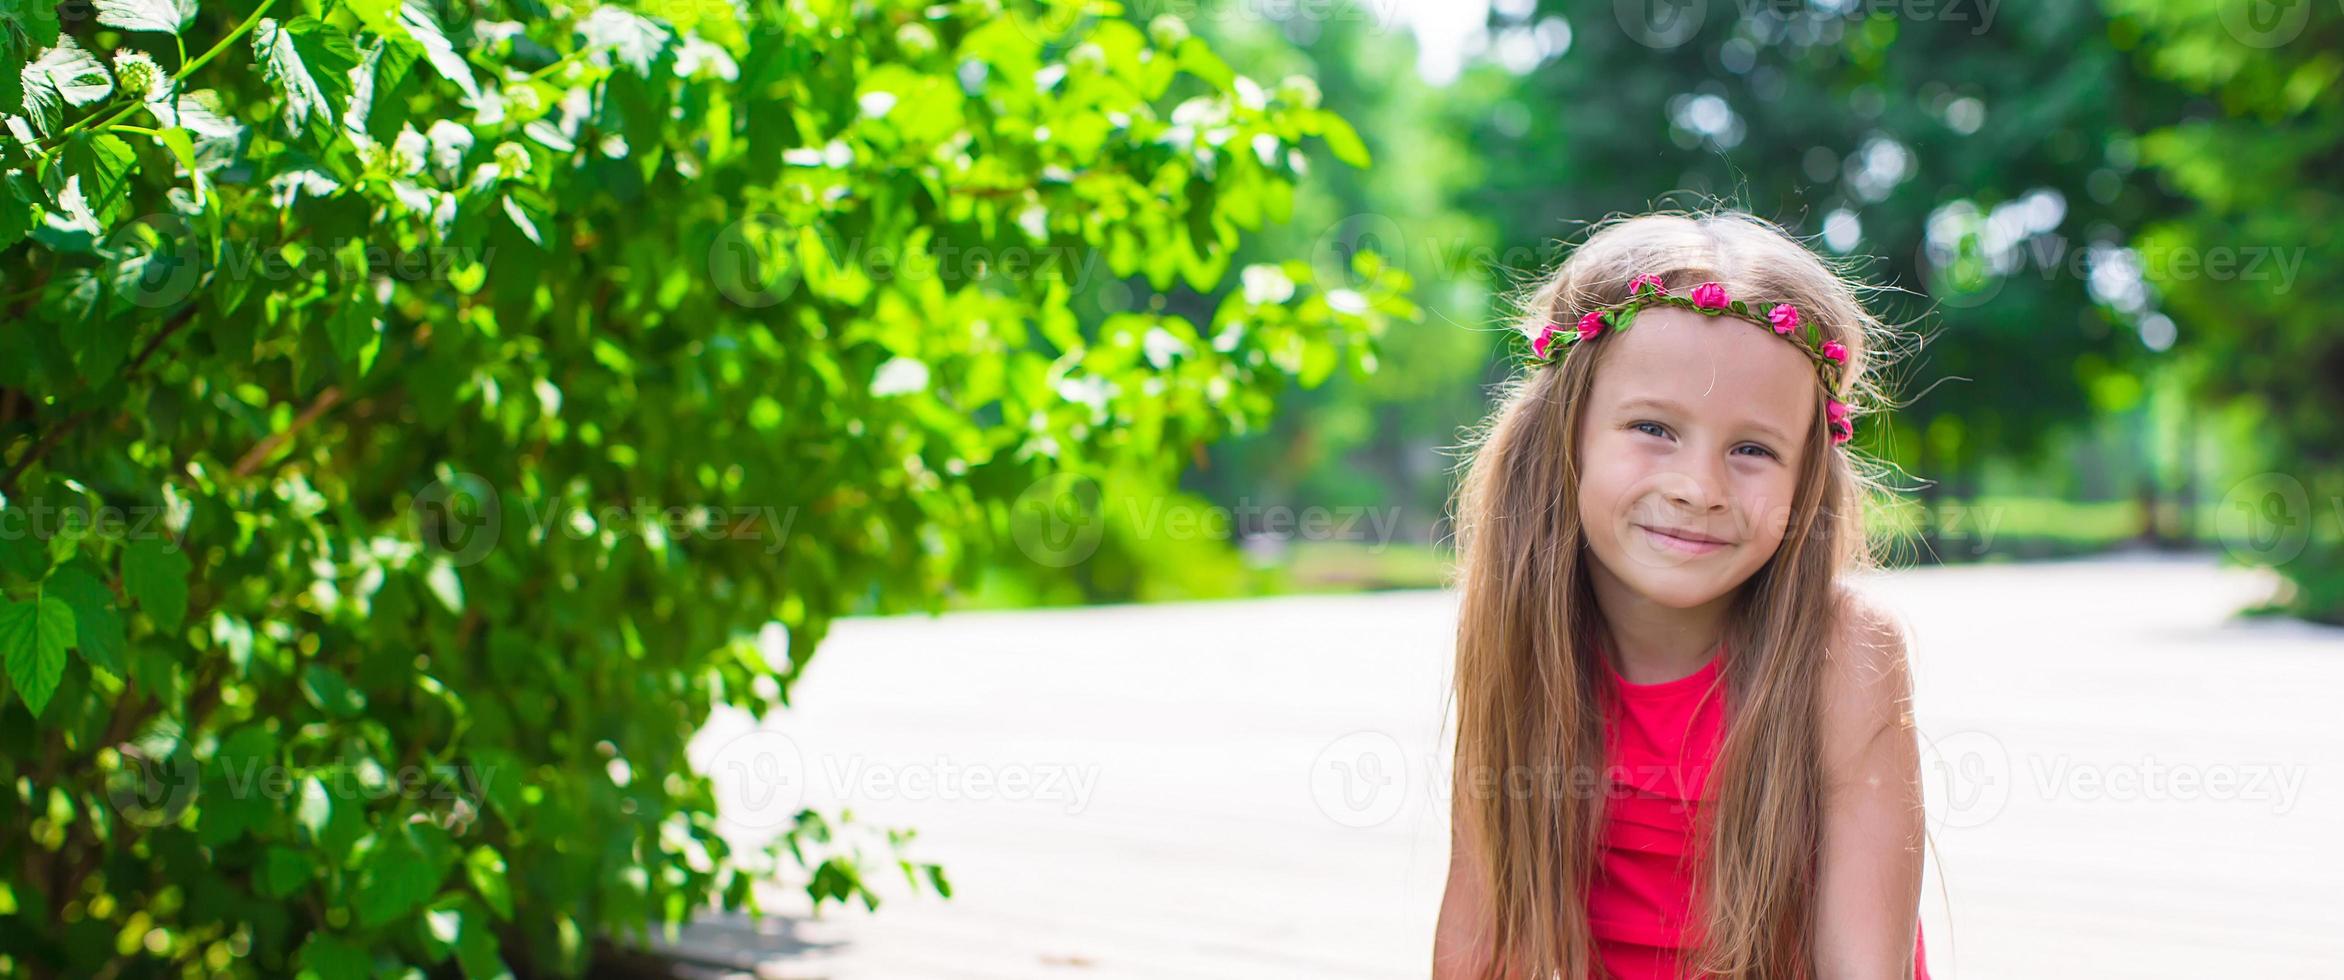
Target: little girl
x,y
1683,746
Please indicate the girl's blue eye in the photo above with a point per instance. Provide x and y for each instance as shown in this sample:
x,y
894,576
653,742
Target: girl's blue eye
x,y
1656,430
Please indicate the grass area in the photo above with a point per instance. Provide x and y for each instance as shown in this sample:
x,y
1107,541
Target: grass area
x,y
1346,566
1988,529
2004,528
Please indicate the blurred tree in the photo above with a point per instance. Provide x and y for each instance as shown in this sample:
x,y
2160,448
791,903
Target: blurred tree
x,y
2243,272
1369,443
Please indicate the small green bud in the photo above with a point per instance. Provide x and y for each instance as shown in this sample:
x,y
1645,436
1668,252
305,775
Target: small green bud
x,y
1299,90
136,74
1167,31
916,40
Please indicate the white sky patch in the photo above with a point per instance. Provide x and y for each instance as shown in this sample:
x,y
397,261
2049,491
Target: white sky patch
x,y
1448,34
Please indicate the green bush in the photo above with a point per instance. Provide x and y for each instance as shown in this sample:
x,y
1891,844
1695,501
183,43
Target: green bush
x,y
411,414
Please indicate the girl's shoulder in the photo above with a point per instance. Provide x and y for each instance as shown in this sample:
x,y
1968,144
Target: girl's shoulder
x,y
1867,680
1866,631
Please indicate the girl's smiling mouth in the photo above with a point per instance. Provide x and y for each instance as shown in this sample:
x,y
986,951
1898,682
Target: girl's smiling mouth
x,y
1682,541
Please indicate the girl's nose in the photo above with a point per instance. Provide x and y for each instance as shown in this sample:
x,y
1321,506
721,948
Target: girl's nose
x,y
1698,489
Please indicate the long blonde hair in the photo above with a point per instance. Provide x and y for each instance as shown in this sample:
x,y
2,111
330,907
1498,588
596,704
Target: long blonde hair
x,y
1530,693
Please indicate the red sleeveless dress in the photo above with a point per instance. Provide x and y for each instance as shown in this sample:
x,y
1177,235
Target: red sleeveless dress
x,y
1661,741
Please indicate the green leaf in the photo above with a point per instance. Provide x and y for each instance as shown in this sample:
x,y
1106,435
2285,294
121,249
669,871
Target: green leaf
x,y
423,25
1342,139
1318,361
182,147
330,693
223,821
355,332
25,26
1200,217
627,36
326,957
213,131
99,348
314,811
98,632
20,206
379,16
63,76
415,26
35,19
382,88
284,870
485,868
309,62
33,637
1197,58
521,219
445,585
165,16
154,573
397,879
477,950
99,166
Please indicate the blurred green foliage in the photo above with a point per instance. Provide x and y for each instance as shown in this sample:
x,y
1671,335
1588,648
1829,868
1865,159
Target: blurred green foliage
x,y
411,414
2244,267
2103,219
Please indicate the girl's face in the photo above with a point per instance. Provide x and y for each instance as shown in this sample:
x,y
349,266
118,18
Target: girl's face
x,y
1689,452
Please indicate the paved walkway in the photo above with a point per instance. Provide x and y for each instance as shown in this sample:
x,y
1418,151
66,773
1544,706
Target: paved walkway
x,y
2126,781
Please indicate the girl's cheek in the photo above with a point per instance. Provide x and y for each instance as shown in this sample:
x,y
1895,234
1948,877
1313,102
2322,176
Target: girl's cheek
x,y
1611,470
1603,474
1769,515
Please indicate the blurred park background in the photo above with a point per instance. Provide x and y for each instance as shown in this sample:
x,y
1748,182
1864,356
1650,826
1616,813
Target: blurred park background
x,y
422,424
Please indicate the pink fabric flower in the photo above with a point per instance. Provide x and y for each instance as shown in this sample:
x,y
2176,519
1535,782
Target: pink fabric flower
x,y
1709,296
1837,412
1636,285
1590,325
1834,351
1545,340
1784,317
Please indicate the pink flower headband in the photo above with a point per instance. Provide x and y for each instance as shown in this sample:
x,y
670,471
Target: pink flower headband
x,y
1709,299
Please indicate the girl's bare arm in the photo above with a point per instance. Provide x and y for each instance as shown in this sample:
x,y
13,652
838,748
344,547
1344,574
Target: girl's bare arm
x,y
1869,888
1461,942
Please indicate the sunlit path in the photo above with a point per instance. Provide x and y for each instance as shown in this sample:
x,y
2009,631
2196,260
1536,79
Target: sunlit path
x,y
2127,782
